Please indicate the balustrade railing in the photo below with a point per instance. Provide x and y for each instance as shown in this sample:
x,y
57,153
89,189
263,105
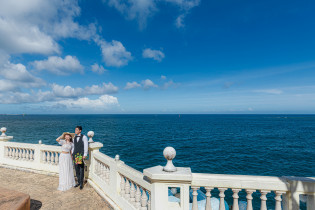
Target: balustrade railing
x,y
238,183
121,183
19,153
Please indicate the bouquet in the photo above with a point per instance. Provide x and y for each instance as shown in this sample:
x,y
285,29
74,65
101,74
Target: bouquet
x,y
78,159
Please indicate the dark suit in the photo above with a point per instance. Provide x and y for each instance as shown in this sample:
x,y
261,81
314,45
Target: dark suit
x,y
79,149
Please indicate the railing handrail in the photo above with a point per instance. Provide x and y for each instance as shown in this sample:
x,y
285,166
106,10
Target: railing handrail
x,y
240,181
20,145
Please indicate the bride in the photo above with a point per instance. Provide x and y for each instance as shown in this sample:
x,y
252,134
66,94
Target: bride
x,y
66,177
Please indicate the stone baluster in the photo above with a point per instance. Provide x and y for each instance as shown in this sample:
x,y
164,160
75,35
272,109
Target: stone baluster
x,y
12,153
263,197
99,169
44,156
107,174
149,201
56,158
195,194
138,198
52,158
96,168
208,200
48,157
222,196
127,190
144,200
23,154
27,157
249,198
132,193
6,152
122,186
103,175
16,153
32,154
20,153
26,154
9,154
235,199
278,199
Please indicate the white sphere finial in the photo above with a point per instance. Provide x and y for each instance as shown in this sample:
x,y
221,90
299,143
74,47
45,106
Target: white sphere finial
x,y
3,130
169,154
117,157
90,135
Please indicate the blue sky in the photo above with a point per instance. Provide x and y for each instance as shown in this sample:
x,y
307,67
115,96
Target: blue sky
x,y
157,56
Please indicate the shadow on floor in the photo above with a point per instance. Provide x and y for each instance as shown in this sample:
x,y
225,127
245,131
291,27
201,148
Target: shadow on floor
x,y
35,204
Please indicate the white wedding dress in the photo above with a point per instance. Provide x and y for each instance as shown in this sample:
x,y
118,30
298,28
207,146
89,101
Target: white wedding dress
x,y
66,177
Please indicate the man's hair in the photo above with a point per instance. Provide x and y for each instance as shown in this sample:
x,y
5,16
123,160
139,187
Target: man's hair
x,y
79,127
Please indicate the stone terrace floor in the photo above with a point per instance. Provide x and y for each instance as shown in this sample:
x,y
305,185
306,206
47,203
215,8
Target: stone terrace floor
x,y
44,194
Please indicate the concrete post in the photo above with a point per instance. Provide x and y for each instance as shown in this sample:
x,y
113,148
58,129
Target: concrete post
x,y
162,180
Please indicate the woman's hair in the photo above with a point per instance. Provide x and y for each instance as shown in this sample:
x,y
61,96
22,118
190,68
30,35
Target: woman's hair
x,y
70,137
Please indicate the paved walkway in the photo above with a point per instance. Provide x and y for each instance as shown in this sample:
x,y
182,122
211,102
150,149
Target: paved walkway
x,y
44,193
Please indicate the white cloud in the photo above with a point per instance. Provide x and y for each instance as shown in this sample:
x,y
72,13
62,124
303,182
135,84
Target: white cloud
x,y
66,91
163,77
269,91
34,26
98,68
154,54
179,22
135,9
131,85
141,10
147,84
114,53
101,89
16,76
70,92
104,102
59,66
169,84
24,38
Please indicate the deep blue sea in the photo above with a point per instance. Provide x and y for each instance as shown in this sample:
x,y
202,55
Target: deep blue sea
x,y
274,145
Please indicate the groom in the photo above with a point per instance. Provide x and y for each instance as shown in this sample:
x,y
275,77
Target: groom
x,y
80,144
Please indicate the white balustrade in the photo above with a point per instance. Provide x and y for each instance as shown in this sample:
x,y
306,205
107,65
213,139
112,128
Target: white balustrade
x,y
102,170
134,193
18,153
50,157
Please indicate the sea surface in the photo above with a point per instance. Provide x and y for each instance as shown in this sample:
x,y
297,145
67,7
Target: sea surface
x,y
277,145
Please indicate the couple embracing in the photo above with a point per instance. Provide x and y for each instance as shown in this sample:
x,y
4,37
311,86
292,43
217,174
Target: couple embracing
x,y
74,149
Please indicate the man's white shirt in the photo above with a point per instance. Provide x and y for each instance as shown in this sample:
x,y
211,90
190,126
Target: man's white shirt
x,y
85,142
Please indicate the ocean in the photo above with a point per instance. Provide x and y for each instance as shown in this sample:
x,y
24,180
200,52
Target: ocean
x,y
275,145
